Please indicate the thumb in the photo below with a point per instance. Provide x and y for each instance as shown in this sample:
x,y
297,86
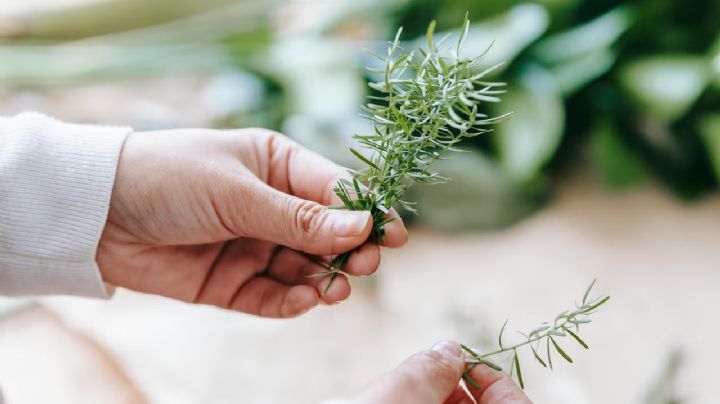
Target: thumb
x,y
304,225
428,377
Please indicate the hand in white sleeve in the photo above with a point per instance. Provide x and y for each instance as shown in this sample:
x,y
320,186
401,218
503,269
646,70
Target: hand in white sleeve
x,y
235,219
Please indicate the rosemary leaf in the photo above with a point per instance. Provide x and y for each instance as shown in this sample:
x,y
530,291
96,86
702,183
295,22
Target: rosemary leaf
x,y
578,339
469,379
559,350
502,330
519,372
537,357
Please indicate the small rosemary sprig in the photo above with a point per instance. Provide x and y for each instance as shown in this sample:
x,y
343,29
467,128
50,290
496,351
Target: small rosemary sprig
x,y
567,323
426,103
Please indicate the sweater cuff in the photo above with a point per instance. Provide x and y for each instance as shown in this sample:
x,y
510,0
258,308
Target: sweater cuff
x,y
56,180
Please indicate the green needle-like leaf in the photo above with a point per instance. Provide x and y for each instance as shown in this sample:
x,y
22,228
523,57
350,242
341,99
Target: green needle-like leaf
x,y
598,304
537,357
519,372
469,350
469,379
363,158
560,351
430,33
502,330
549,354
587,292
578,339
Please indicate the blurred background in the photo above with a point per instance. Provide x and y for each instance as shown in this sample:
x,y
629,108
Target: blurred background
x,y
608,168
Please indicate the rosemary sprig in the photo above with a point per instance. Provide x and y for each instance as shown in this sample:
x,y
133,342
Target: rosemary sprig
x,y
426,102
565,324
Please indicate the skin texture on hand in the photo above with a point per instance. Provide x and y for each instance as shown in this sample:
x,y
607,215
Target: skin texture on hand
x,y
236,219
434,377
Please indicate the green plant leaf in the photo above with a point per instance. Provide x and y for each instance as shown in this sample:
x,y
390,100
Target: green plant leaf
x,y
470,380
515,29
529,139
560,351
519,372
598,304
549,354
469,350
502,330
709,128
429,35
588,290
666,85
537,357
578,42
579,55
363,158
578,339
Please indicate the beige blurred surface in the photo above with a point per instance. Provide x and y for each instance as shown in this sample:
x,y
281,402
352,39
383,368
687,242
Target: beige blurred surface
x,y
657,258
44,361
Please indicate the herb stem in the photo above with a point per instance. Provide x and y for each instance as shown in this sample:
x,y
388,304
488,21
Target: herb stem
x,y
519,345
560,328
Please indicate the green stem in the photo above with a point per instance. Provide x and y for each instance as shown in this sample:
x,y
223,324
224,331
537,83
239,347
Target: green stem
x,y
539,337
338,263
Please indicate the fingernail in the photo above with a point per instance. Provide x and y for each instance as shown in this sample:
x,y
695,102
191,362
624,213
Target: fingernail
x,y
448,348
349,223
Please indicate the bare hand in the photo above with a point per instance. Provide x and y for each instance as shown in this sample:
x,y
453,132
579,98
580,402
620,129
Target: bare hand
x,y
235,219
434,377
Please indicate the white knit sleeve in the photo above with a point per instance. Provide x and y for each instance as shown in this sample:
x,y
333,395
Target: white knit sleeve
x,y
55,185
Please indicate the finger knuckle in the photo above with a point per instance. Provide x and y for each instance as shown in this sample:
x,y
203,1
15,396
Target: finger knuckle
x,y
274,140
291,307
280,149
310,218
439,366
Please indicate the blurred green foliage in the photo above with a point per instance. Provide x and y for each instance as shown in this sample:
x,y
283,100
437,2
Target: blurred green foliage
x,y
628,88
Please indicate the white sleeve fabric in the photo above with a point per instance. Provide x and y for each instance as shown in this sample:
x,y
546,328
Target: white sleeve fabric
x,y
55,184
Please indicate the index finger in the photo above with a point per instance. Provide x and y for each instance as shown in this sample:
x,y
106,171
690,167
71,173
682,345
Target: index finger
x,y
495,387
288,167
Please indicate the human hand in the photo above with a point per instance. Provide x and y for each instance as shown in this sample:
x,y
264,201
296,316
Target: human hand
x,y
434,377
235,219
